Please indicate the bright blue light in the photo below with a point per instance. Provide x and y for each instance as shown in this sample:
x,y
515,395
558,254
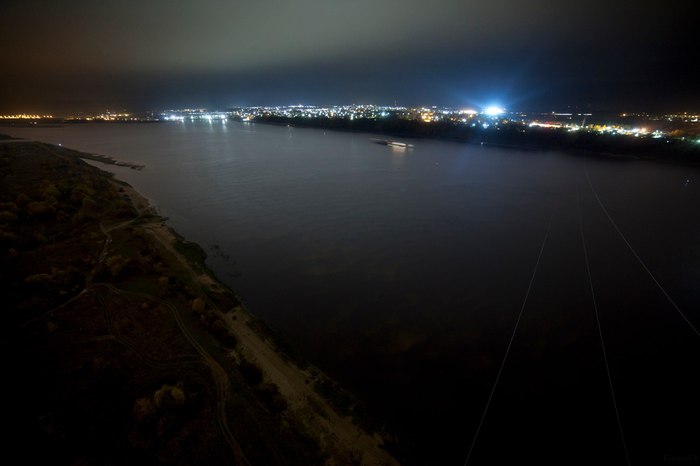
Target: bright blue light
x,y
494,110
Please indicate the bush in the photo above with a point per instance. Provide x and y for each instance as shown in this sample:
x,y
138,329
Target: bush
x,y
271,397
198,305
51,192
220,330
7,217
6,233
39,278
218,327
169,397
117,265
341,400
11,206
143,410
22,199
80,191
250,372
37,209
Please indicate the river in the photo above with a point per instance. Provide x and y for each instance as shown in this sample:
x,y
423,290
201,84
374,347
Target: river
x,y
447,285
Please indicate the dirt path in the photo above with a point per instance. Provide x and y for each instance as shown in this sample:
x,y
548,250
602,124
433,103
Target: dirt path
x,y
164,236
338,435
218,372
161,233
339,438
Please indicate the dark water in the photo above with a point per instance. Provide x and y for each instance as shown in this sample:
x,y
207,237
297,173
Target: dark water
x,y
403,274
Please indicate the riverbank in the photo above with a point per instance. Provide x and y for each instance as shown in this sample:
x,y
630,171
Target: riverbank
x,y
339,437
512,136
94,273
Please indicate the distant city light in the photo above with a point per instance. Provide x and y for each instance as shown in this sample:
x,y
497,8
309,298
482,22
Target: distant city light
x,y
24,116
494,111
490,118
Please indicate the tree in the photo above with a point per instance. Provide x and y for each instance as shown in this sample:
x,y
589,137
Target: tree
x,y
198,305
39,209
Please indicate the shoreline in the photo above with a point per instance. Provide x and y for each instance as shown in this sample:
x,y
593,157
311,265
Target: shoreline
x,y
300,394
340,434
688,156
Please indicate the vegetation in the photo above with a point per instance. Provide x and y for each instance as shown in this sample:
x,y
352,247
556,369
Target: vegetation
x,y
119,354
251,373
192,251
290,353
343,402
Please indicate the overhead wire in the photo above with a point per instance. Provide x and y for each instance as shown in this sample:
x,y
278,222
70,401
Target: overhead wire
x,y
510,343
634,252
600,330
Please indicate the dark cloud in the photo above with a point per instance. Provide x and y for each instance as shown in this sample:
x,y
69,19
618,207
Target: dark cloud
x,y
539,53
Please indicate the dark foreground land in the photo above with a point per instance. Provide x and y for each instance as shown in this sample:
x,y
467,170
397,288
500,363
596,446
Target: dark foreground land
x,y
121,348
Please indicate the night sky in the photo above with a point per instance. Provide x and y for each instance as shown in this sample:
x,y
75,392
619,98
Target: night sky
x,y
72,55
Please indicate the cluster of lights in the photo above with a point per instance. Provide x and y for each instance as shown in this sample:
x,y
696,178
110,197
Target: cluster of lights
x,y
110,117
425,114
546,124
684,117
24,116
616,129
196,115
312,111
601,129
494,116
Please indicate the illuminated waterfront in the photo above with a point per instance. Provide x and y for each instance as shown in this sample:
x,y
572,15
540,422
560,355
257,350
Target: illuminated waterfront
x,y
669,127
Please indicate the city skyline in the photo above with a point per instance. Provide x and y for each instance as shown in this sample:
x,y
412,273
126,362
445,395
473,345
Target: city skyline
x,y
538,55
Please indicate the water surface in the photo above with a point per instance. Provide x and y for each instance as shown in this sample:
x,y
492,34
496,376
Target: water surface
x,y
403,274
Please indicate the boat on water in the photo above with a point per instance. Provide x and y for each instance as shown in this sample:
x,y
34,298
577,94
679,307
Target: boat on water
x,y
388,142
